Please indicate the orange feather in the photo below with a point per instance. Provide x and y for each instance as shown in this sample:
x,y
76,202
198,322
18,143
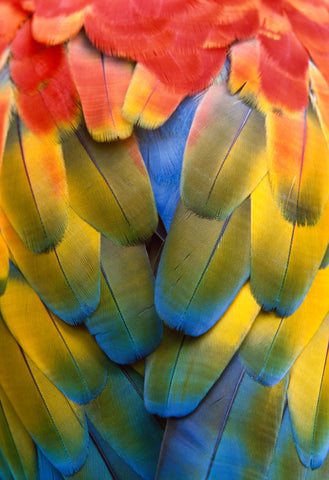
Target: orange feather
x,y
102,83
149,102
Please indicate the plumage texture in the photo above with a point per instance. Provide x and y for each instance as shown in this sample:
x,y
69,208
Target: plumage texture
x,y
164,162
195,363
218,175
113,180
207,245
125,323
35,167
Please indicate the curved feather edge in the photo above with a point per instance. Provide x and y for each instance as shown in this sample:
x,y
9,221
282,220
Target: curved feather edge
x,y
176,361
125,323
214,441
109,187
67,279
274,343
120,418
102,83
162,151
308,396
286,462
77,366
33,166
283,265
55,425
298,154
192,299
16,445
217,176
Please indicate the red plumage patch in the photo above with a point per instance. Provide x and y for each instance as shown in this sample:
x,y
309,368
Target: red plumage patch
x,y
30,72
243,27
123,31
12,15
54,8
187,72
54,22
24,44
102,83
286,51
281,90
164,8
283,67
54,106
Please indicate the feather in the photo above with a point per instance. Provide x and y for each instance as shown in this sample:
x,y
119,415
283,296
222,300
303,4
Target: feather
x,y
109,187
6,100
163,8
33,166
45,412
283,69
16,445
244,78
203,266
218,175
298,158
94,467
77,366
149,102
53,106
12,15
102,83
234,22
124,31
98,464
46,469
30,72
308,397
194,362
187,73
46,97
55,22
285,462
118,468
4,264
220,430
119,416
4,469
274,343
125,323
320,98
311,26
67,279
325,259
285,257
162,151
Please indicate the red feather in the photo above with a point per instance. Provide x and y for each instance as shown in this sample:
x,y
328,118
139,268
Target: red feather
x,y
124,31
283,67
31,72
187,72
102,83
54,22
54,106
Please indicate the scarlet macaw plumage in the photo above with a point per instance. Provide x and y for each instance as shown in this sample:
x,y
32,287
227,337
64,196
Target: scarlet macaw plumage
x,y
164,255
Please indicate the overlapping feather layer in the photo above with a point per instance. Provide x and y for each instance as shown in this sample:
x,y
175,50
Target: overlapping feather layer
x,y
164,192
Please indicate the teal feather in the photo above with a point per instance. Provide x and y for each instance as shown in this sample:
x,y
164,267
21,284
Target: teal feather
x,y
220,429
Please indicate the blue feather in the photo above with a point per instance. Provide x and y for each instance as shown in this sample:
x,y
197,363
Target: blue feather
x,y
163,150
120,470
220,429
46,470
